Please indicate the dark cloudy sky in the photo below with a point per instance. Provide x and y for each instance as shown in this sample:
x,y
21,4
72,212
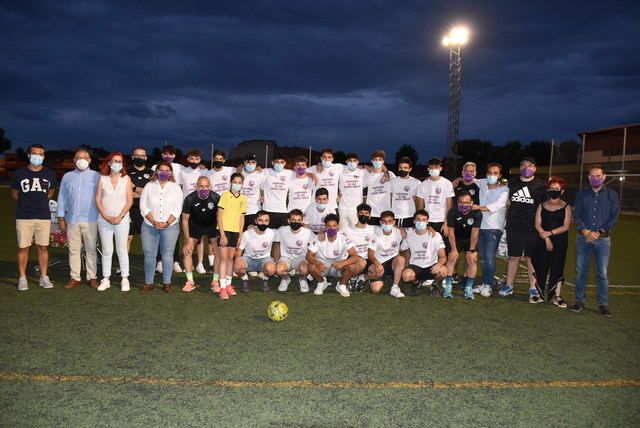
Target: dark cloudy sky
x,y
347,74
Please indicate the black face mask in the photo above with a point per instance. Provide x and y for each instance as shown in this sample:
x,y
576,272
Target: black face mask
x,y
218,164
402,173
262,227
295,225
194,165
139,162
363,219
554,194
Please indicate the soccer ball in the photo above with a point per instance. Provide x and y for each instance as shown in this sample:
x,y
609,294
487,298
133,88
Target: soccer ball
x,y
277,311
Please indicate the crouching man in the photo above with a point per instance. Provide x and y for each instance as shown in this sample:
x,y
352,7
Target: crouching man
x,y
254,252
292,242
388,262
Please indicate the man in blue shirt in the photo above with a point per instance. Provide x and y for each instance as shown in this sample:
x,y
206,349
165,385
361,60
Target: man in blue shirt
x,y
596,211
78,217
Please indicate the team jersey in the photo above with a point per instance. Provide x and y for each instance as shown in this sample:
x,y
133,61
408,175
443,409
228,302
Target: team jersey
x,y
403,191
257,245
435,194
234,207
378,193
463,223
220,180
387,246
189,178
315,219
139,178
363,239
331,250
525,196
202,212
251,187
350,185
329,179
276,188
300,193
424,248
293,244
472,189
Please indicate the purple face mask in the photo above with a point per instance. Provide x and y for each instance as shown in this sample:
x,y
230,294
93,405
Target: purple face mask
x,y
203,193
300,170
526,172
467,176
164,175
331,232
596,182
168,159
464,208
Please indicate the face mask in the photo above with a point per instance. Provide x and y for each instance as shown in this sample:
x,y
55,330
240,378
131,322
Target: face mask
x,y
327,163
168,159
377,164
421,225
321,206
278,167
492,179
402,173
434,172
300,170
203,193
386,227
164,175
139,162
463,208
262,227
352,166
82,164
249,167
218,164
236,187
115,166
194,165
554,194
468,176
295,225
363,219
595,182
36,160
526,172
331,232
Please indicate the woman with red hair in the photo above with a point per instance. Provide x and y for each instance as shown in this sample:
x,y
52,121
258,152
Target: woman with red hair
x,y
114,197
553,218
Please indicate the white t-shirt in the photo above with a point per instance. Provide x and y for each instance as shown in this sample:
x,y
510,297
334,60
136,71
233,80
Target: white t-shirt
x,y
496,200
351,184
293,245
331,251
424,248
276,188
251,188
315,219
220,180
435,194
403,191
300,193
387,246
362,239
176,171
257,245
329,180
189,178
378,194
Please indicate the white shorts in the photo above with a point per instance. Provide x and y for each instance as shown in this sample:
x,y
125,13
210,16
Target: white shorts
x,y
348,217
329,270
256,265
291,263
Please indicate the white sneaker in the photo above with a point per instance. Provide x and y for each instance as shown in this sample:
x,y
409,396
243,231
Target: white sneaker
x,y
478,288
200,268
486,290
176,267
304,285
284,284
23,284
342,289
396,292
45,282
104,284
321,287
427,283
159,267
124,284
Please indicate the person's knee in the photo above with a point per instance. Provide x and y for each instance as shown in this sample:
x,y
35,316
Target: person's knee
x,y
303,269
408,275
281,269
269,269
471,258
43,248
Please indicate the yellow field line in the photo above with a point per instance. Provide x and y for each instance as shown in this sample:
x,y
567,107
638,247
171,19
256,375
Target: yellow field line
x,y
140,380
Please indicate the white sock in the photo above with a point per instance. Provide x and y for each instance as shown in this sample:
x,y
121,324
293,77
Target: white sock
x,y
245,277
223,283
211,257
229,278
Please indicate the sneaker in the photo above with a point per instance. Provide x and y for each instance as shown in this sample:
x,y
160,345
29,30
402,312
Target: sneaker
x,y
223,294
104,284
265,287
23,284
159,267
284,284
360,283
478,288
534,296
200,268
604,310
124,284
320,288
246,285
396,292
352,285
486,290
577,307
304,285
505,291
45,282
446,291
415,288
189,286
557,300
468,293
342,289
215,286
176,267
230,290
118,271
433,291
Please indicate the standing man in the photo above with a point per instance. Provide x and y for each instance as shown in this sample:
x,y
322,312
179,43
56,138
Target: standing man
x,y
276,188
31,187
378,187
435,196
314,216
78,217
328,175
140,175
596,211
468,183
350,186
252,188
220,175
403,194
301,188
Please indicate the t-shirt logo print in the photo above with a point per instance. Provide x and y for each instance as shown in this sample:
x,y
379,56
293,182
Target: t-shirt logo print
x,y
425,245
394,244
438,190
224,177
265,244
252,183
283,178
299,243
336,253
210,205
406,188
523,196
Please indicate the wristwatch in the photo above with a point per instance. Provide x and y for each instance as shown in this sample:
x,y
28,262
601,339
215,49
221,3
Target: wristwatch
x,y
472,251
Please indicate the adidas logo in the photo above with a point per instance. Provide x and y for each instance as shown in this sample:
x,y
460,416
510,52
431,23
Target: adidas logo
x,y
523,196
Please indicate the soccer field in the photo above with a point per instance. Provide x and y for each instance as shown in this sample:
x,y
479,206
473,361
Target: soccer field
x,y
82,358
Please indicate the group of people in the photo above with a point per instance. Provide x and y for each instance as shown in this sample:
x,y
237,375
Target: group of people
x,y
358,224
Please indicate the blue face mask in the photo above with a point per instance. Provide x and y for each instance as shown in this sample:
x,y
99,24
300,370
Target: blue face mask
x,y
249,167
352,166
236,187
327,163
421,225
386,227
116,167
278,167
492,179
321,206
377,164
36,160
434,172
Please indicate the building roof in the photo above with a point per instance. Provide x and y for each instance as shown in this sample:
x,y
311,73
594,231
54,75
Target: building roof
x,y
607,130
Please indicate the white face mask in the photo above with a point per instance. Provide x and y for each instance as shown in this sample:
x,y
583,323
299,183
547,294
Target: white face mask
x,y
82,164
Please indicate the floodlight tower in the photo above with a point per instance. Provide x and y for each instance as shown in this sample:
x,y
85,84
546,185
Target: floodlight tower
x,y
457,37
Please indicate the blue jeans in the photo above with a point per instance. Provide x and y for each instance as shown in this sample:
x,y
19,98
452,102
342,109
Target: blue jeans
x,y
488,241
601,249
152,239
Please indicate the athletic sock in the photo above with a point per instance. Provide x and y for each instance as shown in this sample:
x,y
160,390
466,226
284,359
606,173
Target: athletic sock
x,y
189,276
223,283
470,282
211,258
447,281
245,277
216,276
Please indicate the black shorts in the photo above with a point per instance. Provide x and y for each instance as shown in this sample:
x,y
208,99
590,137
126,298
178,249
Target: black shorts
x,y
422,274
197,232
438,228
249,220
405,222
521,243
463,244
387,266
136,221
232,239
374,221
277,220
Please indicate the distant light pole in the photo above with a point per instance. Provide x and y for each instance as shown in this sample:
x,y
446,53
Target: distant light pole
x,y
457,37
